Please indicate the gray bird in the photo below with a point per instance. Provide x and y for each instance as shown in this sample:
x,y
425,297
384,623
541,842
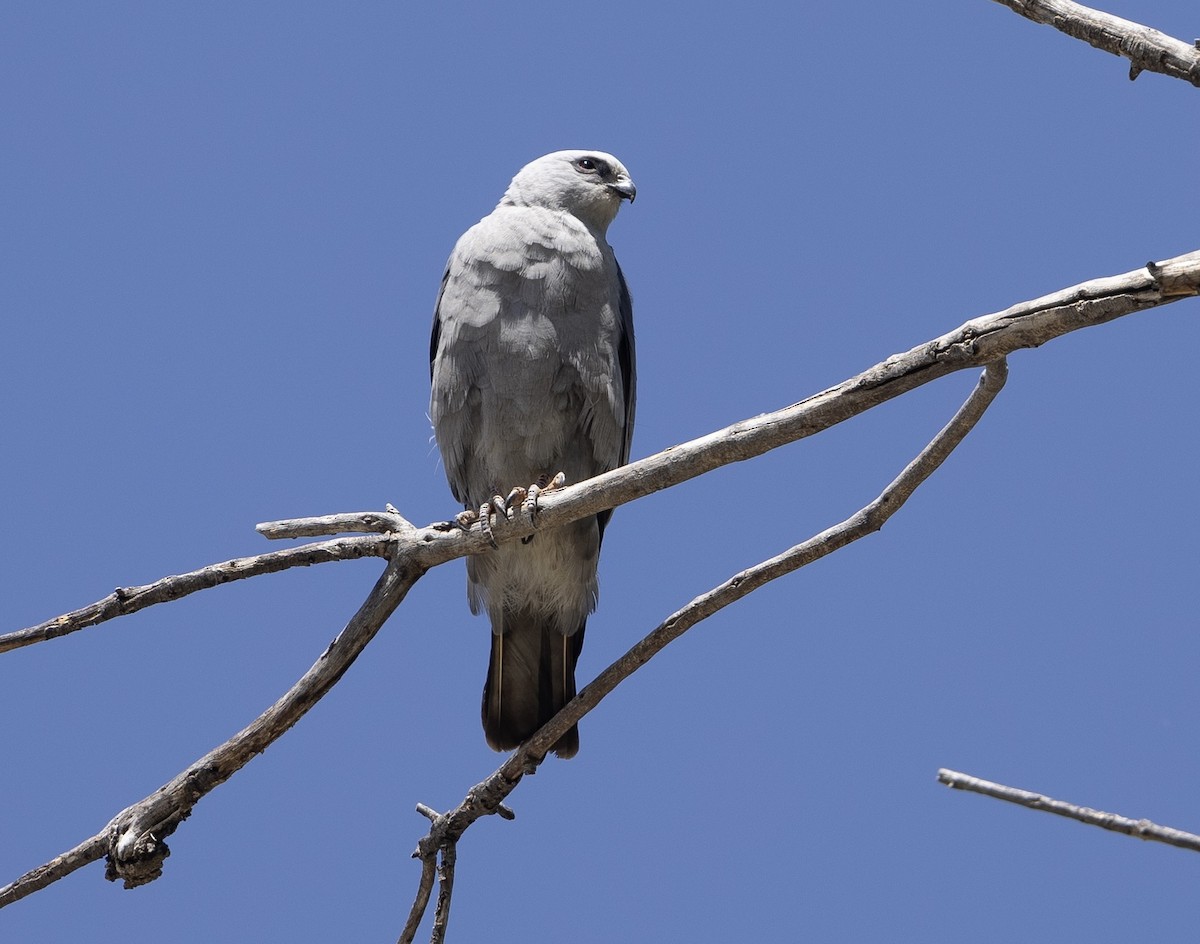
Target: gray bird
x,y
532,363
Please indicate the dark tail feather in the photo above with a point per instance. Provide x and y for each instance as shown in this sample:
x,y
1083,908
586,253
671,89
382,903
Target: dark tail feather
x,y
531,675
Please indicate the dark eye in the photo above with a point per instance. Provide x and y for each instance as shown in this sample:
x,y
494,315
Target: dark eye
x,y
587,164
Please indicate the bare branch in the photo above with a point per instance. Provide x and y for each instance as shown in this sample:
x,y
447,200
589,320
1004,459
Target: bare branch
x,y
421,901
126,600
134,838
1147,49
976,343
1141,828
973,344
486,797
441,914
428,853
357,522
61,866
866,521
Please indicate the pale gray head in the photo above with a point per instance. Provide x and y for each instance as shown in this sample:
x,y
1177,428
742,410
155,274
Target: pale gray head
x,y
589,185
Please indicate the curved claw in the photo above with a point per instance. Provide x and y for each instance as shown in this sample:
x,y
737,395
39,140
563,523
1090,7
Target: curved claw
x,y
485,523
543,485
515,499
466,519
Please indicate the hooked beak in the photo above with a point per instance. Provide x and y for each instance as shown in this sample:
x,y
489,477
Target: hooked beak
x,y
624,188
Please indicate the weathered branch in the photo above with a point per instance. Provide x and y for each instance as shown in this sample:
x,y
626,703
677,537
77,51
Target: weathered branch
x,y
421,901
138,831
441,913
380,522
486,797
1147,49
61,866
1141,828
126,600
976,343
863,522
133,840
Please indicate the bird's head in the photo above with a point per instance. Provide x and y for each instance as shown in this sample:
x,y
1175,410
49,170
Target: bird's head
x,y
589,185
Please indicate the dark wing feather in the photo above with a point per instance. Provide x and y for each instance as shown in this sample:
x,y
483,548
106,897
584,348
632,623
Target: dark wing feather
x,y
436,334
627,360
627,363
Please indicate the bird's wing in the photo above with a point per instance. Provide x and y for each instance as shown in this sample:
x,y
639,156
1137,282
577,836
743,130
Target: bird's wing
x,y
627,362
627,365
436,334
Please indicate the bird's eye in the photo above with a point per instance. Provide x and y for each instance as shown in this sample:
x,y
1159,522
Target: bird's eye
x,y
586,164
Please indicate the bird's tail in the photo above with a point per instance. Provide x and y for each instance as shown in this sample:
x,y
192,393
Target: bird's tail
x,y
531,675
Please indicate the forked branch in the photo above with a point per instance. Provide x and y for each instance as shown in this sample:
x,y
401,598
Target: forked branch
x,y
486,797
133,840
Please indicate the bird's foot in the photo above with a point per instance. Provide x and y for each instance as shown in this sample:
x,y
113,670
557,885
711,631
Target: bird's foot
x,y
504,508
544,484
495,507
450,525
465,520
513,501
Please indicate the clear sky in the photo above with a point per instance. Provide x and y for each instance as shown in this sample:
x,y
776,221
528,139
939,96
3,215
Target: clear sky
x,y
223,226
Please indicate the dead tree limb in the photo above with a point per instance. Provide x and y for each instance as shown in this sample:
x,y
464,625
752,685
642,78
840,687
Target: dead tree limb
x,y
126,600
133,840
486,797
1147,49
974,344
1140,828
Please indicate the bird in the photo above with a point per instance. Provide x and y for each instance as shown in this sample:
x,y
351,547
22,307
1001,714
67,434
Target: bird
x,y
533,378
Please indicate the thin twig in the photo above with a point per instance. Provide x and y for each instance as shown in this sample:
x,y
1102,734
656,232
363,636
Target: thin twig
x,y
126,600
87,852
134,838
486,797
1141,828
428,854
441,914
357,522
1147,49
421,901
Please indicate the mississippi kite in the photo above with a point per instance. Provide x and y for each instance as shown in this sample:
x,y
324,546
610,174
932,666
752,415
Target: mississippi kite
x,y
532,363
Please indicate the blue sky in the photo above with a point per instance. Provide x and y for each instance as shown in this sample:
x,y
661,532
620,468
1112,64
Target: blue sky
x,y
223,227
